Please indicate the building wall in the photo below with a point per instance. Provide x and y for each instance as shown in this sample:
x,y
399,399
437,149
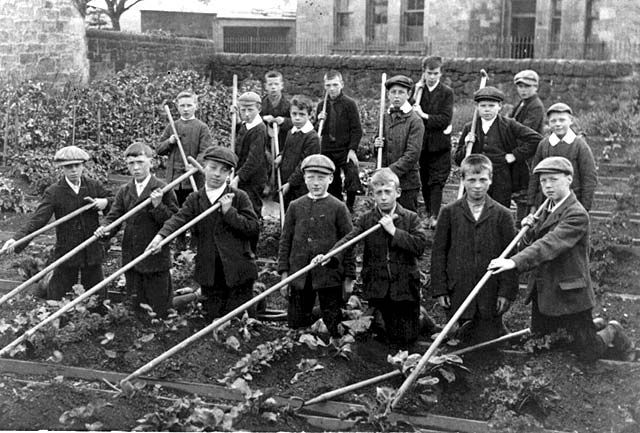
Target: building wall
x,y
42,40
195,25
314,22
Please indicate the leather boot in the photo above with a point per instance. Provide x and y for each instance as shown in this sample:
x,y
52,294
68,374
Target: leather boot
x,y
613,335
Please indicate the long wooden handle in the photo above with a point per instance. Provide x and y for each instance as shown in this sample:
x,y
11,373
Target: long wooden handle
x,y
381,121
53,224
425,358
180,148
324,109
278,175
107,280
224,319
234,115
94,238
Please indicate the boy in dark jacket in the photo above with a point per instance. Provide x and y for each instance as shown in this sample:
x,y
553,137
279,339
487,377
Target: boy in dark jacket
x,y
390,273
302,141
225,263
470,232
436,110
313,224
401,140
275,106
149,282
70,193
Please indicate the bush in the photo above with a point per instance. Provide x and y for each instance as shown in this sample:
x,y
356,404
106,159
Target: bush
x,y
11,198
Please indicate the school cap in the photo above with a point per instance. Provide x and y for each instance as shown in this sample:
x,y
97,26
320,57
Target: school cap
x,y
138,148
488,93
319,163
249,98
221,154
559,107
527,77
70,155
399,80
554,164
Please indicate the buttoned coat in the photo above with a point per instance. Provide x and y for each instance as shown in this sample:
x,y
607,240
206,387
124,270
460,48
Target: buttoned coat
x,y
559,258
59,200
402,134
252,161
462,250
227,235
296,148
281,110
140,229
530,113
348,130
439,106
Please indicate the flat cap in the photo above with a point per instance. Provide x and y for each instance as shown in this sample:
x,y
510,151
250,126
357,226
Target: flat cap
x,y
559,107
399,80
221,154
70,155
249,98
527,77
318,163
554,164
488,93
138,148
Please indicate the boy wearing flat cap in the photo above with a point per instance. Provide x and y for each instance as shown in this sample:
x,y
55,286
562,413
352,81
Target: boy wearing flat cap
x,y
312,225
149,282
71,192
401,140
560,285
564,142
502,139
225,262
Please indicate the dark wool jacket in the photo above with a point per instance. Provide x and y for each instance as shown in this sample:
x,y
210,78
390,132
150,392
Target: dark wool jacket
x,y
439,106
531,113
585,174
140,229
252,161
312,227
348,130
280,110
402,146
227,235
390,263
515,138
296,148
462,250
60,200
195,138
559,257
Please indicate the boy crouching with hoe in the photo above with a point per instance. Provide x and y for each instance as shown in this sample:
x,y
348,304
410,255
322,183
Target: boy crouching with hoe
x,y
225,263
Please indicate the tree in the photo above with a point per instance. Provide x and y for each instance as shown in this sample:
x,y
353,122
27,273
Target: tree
x,y
114,9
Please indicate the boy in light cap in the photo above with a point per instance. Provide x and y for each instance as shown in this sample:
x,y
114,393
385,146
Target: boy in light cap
x,y
559,286
312,225
71,192
149,282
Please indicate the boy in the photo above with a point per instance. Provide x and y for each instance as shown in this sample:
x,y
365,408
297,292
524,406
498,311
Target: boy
x,y
502,139
436,110
71,192
560,284
275,107
149,282
302,141
401,140
340,137
313,224
564,142
470,232
390,273
225,263
529,112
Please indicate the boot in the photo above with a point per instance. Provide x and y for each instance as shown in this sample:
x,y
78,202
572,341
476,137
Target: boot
x,y
613,335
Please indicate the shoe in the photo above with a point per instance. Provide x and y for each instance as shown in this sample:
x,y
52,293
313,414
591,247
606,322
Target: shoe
x,y
622,343
599,323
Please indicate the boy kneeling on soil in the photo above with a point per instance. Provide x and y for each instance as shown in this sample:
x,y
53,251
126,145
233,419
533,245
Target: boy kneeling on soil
x,y
560,285
225,263
149,282
390,265
470,232
312,225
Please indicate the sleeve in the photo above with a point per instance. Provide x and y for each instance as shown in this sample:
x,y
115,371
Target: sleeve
x,y
526,139
102,192
117,209
187,212
286,238
414,240
461,148
588,176
345,226
204,141
439,252
318,111
166,209
507,281
355,128
39,219
359,227
534,179
242,218
440,120
310,146
412,151
255,159
534,118
164,147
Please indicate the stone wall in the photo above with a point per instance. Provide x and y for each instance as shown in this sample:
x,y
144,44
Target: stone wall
x,y
42,40
582,84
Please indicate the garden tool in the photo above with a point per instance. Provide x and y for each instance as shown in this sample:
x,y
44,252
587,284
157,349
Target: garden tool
x,y
180,148
234,114
324,110
381,122
276,149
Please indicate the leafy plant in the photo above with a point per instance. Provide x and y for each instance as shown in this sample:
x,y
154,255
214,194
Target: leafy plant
x,y
78,417
376,412
11,198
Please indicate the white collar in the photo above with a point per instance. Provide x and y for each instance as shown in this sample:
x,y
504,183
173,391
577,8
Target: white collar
x,y
486,124
326,194
255,122
140,186
75,188
186,120
307,127
405,108
432,88
568,138
557,205
213,194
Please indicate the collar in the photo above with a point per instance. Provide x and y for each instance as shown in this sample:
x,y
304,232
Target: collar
x,y
186,120
557,205
393,211
326,194
307,127
337,98
144,183
276,103
76,188
255,122
213,194
431,89
486,124
568,138
405,108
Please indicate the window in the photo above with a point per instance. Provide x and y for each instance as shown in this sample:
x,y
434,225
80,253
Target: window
x,y
556,21
343,20
523,28
376,27
413,21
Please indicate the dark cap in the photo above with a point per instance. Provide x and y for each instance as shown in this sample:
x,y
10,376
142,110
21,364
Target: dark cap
x,y
70,155
138,148
399,80
554,164
221,154
249,98
488,93
318,163
527,77
559,107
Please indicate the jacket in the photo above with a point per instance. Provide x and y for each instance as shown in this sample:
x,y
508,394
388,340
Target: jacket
x,y
402,146
296,148
282,109
252,160
348,130
530,113
439,106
